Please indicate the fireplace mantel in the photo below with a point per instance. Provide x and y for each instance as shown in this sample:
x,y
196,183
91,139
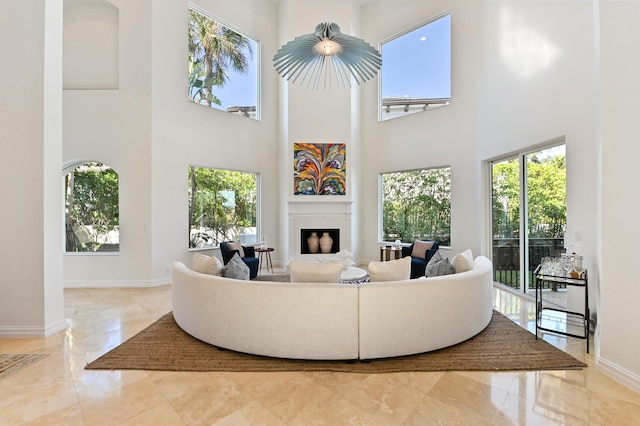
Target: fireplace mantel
x,y
334,214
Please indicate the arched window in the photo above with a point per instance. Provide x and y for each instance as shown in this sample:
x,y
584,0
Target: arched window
x,y
91,208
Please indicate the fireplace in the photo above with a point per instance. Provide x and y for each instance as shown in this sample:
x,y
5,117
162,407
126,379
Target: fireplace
x,y
305,233
305,217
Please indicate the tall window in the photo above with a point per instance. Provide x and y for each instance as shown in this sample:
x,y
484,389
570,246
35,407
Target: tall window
x,y
416,70
223,206
223,66
417,204
528,199
92,213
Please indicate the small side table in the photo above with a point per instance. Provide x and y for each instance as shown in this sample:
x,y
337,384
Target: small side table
x,y
386,253
267,256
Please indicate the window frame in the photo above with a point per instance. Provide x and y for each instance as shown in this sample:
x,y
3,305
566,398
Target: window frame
x,y
257,60
258,212
68,169
381,204
412,105
522,280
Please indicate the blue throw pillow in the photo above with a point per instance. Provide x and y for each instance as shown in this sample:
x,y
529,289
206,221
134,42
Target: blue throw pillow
x,y
236,269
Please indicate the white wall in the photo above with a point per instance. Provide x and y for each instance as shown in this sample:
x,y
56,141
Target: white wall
x,y
30,160
316,116
444,136
184,133
91,41
619,291
114,127
536,83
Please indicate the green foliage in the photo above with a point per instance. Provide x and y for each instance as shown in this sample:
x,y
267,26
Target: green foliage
x,y
222,205
417,204
546,191
214,50
506,199
200,86
92,206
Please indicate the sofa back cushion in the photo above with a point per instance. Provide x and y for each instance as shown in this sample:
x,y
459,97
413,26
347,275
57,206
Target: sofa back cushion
x,y
463,262
392,270
313,272
207,264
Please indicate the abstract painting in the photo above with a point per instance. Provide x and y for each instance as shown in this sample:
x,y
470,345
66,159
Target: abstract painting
x,y
319,169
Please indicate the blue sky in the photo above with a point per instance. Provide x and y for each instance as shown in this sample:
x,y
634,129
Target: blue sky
x,y
243,88
416,64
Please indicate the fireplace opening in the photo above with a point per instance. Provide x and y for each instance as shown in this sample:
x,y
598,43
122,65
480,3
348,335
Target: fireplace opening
x,y
306,233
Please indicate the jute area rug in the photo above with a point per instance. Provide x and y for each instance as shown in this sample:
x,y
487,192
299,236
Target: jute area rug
x,y
10,364
503,345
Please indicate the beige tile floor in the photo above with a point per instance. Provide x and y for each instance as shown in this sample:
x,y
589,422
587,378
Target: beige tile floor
x,y
57,390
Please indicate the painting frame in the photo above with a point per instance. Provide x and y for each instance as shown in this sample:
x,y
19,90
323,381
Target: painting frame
x,y
319,168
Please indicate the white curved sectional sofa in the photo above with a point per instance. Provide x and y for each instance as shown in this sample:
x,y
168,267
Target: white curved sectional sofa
x,y
333,321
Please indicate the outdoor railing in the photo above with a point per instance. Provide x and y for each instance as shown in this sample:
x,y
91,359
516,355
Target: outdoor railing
x,y
506,258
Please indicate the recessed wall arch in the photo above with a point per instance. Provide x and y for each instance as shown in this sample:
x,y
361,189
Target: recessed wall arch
x,y
90,45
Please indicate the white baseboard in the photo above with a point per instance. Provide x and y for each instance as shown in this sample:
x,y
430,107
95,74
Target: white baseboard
x,y
117,284
619,374
30,332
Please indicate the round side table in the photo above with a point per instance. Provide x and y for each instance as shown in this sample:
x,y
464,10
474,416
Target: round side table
x,y
267,251
353,275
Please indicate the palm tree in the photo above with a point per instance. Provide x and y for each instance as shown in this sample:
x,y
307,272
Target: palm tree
x,y
214,50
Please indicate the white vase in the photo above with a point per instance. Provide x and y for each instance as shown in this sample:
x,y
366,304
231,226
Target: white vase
x,y
312,242
326,242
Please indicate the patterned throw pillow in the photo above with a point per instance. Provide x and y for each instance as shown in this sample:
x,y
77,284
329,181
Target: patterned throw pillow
x,y
437,257
439,267
236,269
235,245
207,264
420,248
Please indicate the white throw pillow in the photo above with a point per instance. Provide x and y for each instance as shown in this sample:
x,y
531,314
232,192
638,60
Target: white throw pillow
x,y
463,262
235,245
312,272
392,270
207,264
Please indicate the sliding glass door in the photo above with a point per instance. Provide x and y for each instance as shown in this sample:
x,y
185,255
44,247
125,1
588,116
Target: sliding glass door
x,y
528,199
